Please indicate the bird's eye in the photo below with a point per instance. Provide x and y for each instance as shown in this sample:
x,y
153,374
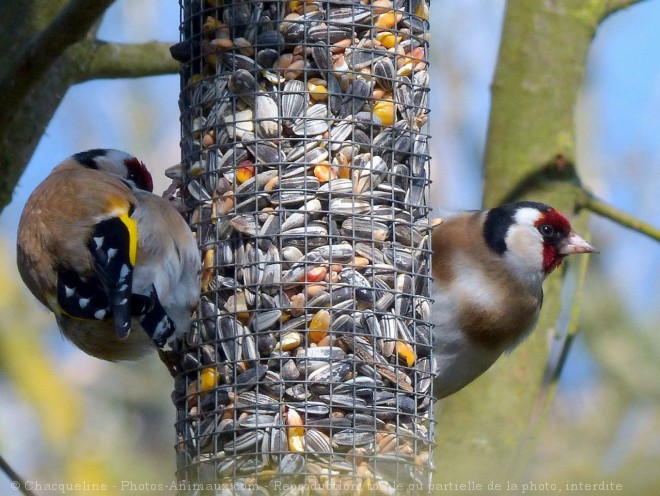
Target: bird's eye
x,y
547,230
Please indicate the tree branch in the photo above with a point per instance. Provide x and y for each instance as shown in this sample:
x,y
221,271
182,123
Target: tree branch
x,y
530,150
79,63
614,6
118,60
69,26
566,329
15,478
590,202
60,50
20,25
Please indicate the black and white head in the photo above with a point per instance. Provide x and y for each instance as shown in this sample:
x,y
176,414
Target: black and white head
x,y
118,163
533,238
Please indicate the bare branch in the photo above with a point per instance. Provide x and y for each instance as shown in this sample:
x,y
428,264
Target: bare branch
x,y
614,6
81,62
16,479
117,60
69,26
29,123
590,202
566,329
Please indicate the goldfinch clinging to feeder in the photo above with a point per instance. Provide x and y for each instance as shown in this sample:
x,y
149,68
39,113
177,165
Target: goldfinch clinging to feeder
x,y
489,267
107,256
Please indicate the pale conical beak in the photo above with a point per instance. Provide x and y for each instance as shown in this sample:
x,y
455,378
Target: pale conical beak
x,y
175,172
435,222
575,244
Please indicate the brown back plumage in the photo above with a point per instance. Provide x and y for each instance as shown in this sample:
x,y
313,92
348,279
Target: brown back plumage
x,y
56,223
458,243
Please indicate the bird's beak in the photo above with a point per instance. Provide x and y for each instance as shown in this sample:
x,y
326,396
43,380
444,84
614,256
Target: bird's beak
x,y
175,172
575,244
435,222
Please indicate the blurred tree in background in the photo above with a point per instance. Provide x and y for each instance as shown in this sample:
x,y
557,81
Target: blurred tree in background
x,y
50,46
64,417
490,430
68,418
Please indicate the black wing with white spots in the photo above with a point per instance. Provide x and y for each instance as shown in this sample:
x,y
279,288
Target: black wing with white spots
x,y
153,318
80,298
110,249
86,299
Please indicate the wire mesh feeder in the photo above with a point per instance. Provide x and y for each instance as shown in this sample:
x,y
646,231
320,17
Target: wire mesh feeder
x,y
308,369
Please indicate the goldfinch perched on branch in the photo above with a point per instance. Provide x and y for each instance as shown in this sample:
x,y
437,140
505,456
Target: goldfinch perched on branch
x,y
489,267
107,256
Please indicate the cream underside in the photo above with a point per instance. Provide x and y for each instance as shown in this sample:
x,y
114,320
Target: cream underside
x,y
459,360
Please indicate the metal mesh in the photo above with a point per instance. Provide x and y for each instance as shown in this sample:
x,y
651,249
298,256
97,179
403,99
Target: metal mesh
x,y
308,368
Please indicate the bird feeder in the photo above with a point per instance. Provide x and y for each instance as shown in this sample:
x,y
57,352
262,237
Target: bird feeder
x,y
308,367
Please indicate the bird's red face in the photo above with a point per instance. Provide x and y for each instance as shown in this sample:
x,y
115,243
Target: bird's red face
x,y
138,173
532,238
559,239
118,163
554,227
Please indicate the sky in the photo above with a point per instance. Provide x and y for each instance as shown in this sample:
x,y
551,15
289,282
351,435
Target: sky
x,y
621,150
618,121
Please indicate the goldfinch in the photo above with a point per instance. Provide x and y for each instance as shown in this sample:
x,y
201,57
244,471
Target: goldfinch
x,y
116,264
488,268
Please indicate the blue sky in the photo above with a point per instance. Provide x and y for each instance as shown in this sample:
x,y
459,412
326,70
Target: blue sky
x,y
620,146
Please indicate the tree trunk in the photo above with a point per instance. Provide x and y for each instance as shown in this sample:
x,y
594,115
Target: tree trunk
x,y
50,46
484,430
